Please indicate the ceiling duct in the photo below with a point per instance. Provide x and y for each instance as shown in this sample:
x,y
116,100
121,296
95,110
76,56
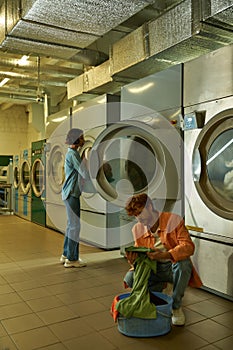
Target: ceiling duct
x,y
62,28
99,79
187,31
22,98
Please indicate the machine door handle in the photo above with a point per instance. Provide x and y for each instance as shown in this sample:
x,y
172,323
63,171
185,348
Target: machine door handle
x,y
196,165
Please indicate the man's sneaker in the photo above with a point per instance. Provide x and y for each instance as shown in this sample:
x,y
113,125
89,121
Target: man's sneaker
x,y
178,317
75,263
62,259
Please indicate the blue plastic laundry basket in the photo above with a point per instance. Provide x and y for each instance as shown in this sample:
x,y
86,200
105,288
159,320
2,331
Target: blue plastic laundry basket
x,y
141,327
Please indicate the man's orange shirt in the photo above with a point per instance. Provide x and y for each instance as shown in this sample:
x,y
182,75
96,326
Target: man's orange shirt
x,y
173,235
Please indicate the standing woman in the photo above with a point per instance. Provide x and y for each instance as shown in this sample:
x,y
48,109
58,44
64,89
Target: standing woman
x,y
75,173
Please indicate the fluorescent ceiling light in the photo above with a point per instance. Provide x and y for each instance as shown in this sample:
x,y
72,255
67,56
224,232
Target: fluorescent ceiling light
x,y
23,60
59,119
102,100
10,74
137,90
4,81
79,109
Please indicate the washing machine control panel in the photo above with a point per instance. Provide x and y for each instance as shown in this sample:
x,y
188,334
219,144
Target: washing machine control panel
x,y
194,120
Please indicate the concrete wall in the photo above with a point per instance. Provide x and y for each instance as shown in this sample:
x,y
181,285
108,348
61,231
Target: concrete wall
x,y
16,133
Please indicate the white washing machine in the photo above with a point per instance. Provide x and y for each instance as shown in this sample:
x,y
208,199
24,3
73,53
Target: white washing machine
x,y
144,155
152,142
92,117
38,213
55,151
24,199
16,183
99,227
208,126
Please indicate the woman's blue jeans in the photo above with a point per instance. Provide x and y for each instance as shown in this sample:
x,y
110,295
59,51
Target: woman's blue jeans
x,y
71,241
178,273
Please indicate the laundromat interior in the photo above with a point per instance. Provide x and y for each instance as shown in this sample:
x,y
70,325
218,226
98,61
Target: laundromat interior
x,y
151,85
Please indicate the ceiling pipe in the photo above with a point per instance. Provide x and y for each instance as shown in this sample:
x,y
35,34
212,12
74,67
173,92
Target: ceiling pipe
x,y
31,78
19,97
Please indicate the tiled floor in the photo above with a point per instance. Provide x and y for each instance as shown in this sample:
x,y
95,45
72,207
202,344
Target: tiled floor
x,y
45,306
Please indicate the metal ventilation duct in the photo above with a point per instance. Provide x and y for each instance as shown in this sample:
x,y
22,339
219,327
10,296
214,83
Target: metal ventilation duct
x,y
180,35
187,31
62,28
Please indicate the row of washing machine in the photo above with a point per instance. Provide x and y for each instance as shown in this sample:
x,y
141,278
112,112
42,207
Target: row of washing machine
x,y
28,183
133,144
93,117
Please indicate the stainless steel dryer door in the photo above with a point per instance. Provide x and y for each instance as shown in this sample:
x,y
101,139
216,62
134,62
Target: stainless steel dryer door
x,y
132,157
213,164
55,168
90,199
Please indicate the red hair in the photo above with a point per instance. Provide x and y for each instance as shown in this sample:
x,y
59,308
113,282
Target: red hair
x,y
137,203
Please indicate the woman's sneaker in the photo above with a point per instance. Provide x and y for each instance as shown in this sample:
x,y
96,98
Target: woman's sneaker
x,y
63,259
75,263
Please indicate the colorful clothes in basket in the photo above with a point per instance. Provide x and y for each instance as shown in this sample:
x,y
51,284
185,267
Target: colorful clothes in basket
x,y
138,304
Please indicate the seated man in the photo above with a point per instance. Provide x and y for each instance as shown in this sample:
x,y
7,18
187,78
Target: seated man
x,y
167,235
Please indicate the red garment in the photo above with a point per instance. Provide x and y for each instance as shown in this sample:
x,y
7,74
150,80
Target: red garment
x,y
175,238
114,311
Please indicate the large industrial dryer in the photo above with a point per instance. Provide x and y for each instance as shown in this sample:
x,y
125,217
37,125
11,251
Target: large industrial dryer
x,y
208,135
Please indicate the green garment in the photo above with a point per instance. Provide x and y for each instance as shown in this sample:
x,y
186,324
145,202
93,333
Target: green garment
x,y
138,303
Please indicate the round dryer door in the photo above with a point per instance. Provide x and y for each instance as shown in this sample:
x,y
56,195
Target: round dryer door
x,y
213,164
56,171
38,177
16,175
135,156
85,151
25,177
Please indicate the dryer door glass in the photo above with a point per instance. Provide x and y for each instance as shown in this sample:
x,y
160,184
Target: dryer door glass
x,y
38,177
129,165
56,170
214,144
25,177
141,164
16,177
220,164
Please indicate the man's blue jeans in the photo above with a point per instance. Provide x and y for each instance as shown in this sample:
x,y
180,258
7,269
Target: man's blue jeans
x,y
178,273
71,241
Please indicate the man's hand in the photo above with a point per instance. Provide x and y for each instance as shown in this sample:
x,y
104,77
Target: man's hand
x,y
157,254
